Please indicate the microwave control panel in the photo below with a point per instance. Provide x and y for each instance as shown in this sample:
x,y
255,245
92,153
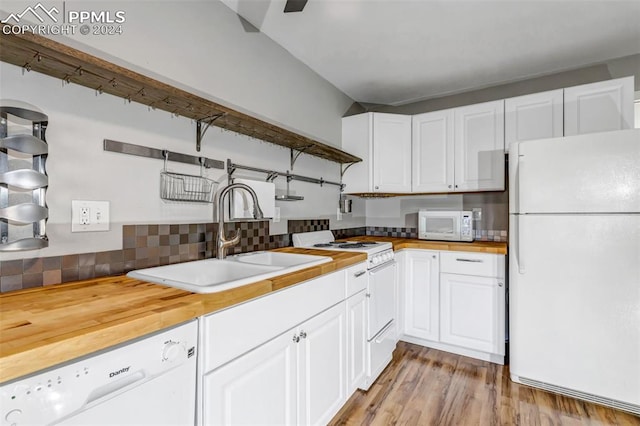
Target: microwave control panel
x,y
466,226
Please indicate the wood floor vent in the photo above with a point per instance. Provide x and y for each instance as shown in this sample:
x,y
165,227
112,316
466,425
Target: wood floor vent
x,y
631,408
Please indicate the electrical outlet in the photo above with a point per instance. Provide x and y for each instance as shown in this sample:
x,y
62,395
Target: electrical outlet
x,y
477,213
84,216
89,216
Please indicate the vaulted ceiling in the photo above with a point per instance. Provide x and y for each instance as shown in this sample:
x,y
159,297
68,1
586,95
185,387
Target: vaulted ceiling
x,y
399,51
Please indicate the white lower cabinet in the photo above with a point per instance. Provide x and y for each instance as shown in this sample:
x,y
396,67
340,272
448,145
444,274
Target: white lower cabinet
x,y
322,366
292,357
455,301
297,378
422,297
472,315
260,387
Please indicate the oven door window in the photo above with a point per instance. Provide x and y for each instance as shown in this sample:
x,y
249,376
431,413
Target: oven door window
x,y
381,298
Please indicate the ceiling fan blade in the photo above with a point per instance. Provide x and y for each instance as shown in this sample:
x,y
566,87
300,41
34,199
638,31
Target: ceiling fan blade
x,y
294,6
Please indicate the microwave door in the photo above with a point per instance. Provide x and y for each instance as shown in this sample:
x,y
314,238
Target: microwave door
x,y
441,227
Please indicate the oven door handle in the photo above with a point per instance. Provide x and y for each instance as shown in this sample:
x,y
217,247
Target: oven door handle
x,y
381,335
381,267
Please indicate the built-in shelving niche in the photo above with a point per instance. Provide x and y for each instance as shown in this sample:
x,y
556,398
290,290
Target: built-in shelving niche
x,y
36,53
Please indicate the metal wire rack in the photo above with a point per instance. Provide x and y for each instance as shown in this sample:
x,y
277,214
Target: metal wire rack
x,y
183,187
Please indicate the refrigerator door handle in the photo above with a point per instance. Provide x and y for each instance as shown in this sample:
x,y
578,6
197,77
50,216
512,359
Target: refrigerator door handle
x,y
516,188
517,243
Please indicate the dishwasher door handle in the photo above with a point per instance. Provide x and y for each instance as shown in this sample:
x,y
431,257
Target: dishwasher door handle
x,y
113,387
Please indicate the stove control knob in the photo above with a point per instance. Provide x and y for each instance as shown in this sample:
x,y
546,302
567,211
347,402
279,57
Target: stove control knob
x,y
375,260
13,416
172,351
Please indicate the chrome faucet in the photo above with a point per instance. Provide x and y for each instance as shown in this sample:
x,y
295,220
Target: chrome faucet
x,y
223,242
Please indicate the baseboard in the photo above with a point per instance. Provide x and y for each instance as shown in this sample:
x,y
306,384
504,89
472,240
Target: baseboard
x,y
484,356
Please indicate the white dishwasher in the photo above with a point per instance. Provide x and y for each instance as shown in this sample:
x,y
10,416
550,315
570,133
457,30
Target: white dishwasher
x,y
148,381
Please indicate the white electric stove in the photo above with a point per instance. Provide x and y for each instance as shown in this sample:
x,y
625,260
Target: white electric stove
x,y
381,294
378,253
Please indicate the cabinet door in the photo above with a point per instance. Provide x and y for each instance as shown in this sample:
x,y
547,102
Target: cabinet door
x,y
599,107
322,361
357,139
391,153
535,116
479,147
422,313
472,312
432,156
257,388
356,341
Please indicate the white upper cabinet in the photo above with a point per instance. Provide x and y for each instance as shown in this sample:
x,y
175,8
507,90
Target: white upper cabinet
x,y
479,147
383,141
432,162
599,107
460,149
535,116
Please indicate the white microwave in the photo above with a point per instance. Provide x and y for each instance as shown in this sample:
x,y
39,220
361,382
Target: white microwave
x,y
446,225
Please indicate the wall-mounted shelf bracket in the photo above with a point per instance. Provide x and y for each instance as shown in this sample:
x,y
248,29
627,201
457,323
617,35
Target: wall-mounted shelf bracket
x,y
295,156
200,131
344,169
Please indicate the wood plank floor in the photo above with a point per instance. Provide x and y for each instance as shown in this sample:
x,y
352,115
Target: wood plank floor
x,y
425,386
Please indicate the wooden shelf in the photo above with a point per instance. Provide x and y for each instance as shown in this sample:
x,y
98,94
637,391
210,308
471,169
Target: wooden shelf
x,y
37,53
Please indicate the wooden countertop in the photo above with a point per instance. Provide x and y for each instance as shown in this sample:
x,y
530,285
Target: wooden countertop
x,y
493,247
45,326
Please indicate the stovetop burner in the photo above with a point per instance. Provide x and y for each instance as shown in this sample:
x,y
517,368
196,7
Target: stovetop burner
x,y
323,245
351,245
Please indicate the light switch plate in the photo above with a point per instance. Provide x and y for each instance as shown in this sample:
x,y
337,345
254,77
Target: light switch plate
x,y
89,216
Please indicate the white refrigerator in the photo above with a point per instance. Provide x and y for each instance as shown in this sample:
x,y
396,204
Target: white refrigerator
x,y
574,266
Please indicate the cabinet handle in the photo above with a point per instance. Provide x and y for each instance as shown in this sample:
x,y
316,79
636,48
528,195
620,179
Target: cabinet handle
x,y
296,339
377,187
449,186
456,186
434,256
303,334
367,294
500,284
359,274
459,259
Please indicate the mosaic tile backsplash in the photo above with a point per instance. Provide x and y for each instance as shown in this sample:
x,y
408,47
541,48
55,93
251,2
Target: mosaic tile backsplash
x,y
145,246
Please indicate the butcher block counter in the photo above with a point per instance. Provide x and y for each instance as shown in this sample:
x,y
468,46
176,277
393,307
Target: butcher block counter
x,y
493,247
45,326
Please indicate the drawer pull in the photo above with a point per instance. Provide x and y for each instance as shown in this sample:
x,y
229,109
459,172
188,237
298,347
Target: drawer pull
x,y
359,274
459,259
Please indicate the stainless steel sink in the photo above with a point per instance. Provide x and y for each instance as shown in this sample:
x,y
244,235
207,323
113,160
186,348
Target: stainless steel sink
x,y
214,275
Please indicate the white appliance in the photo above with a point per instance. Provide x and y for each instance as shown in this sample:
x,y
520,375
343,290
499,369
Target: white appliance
x,y
151,381
574,265
381,294
446,225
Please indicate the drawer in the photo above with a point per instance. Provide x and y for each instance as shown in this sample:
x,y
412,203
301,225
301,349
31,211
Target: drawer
x,y
357,278
467,263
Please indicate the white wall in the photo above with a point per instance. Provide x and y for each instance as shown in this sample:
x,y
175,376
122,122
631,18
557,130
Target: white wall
x,y
202,47
401,212
78,167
